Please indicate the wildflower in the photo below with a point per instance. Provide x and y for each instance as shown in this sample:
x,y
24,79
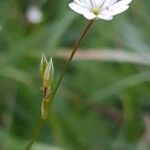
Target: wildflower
x,y
99,9
34,15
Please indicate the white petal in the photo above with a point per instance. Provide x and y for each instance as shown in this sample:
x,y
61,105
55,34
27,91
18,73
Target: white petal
x,y
116,8
118,11
120,4
77,8
108,3
82,4
88,3
125,2
82,10
89,15
97,2
105,17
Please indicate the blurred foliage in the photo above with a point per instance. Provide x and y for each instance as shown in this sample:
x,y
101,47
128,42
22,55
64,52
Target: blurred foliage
x,y
99,106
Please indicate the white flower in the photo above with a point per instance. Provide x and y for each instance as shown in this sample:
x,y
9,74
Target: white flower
x,y
34,14
99,9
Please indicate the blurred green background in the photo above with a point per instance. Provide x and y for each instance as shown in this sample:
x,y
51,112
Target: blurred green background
x,y
103,102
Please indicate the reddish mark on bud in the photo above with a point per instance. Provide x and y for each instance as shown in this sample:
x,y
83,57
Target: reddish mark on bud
x,y
45,92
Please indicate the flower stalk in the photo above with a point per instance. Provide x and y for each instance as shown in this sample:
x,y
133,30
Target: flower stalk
x,y
72,55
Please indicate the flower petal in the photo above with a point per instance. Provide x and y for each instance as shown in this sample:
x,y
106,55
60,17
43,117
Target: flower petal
x,y
118,10
108,3
97,2
120,4
105,17
82,3
87,2
75,7
82,10
89,15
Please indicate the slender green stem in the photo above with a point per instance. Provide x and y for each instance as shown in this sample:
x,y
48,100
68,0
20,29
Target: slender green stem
x,y
71,57
35,135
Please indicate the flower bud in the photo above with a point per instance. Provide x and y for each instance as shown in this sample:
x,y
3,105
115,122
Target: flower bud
x,y
48,74
43,65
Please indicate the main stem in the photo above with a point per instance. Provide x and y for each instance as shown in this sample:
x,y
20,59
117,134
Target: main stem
x,y
35,135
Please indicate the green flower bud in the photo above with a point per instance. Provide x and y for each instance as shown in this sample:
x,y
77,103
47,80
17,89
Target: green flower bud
x,y
48,74
43,65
